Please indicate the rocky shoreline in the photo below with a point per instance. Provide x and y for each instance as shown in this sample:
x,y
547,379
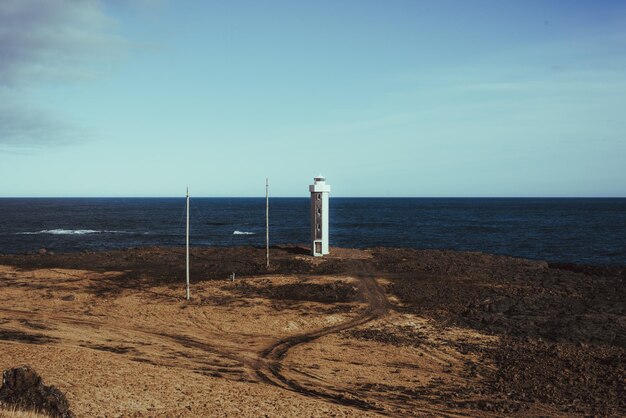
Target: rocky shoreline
x,y
559,331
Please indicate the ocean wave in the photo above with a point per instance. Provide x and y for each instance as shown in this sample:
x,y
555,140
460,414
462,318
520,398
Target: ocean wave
x,y
244,233
70,232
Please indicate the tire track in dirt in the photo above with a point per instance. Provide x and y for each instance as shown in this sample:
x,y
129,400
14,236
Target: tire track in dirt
x,y
157,336
270,368
268,365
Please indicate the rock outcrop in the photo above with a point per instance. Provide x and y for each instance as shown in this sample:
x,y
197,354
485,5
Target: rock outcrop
x,y
22,387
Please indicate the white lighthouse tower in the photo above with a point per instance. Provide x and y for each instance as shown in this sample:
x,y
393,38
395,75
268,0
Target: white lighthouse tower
x,y
319,216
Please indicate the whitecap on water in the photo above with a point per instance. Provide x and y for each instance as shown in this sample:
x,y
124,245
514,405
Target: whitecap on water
x,y
70,232
243,233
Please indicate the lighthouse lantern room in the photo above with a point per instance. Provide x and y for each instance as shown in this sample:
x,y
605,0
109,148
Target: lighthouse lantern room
x,y
319,216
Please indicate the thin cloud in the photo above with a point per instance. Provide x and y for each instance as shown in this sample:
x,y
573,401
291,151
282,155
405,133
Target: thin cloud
x,y
23,127
44,41
62,40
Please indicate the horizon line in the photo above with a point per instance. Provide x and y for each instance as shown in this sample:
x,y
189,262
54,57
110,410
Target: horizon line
x,y
307,197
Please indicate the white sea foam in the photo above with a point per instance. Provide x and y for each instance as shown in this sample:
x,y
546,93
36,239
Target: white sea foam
x,y
70,232
243,233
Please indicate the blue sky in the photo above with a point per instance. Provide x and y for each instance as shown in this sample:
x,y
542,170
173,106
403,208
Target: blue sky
x,y
385,98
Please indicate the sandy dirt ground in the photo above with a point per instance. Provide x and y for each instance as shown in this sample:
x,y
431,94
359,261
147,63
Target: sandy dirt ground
x,y
360,333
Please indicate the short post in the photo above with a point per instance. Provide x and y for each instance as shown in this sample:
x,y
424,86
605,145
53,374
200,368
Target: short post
x,y
267,223
187,245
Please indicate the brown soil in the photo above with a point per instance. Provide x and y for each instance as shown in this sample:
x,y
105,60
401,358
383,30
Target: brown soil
x,y
382,331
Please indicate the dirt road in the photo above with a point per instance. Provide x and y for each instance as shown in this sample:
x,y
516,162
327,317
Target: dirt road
x,y
272,371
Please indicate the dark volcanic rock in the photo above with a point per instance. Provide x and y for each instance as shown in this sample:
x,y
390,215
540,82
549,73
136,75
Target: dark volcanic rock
x,y
562,328
397,336
576,379
22,387
324,293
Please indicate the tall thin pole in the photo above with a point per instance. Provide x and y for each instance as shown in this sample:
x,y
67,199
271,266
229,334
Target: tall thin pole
x,y
187,243
267,221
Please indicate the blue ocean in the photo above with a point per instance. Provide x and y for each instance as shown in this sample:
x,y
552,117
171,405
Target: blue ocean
x,y
588,231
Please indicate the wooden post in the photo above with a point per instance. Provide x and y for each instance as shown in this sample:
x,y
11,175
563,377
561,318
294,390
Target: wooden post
x,y
267,223
187,244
